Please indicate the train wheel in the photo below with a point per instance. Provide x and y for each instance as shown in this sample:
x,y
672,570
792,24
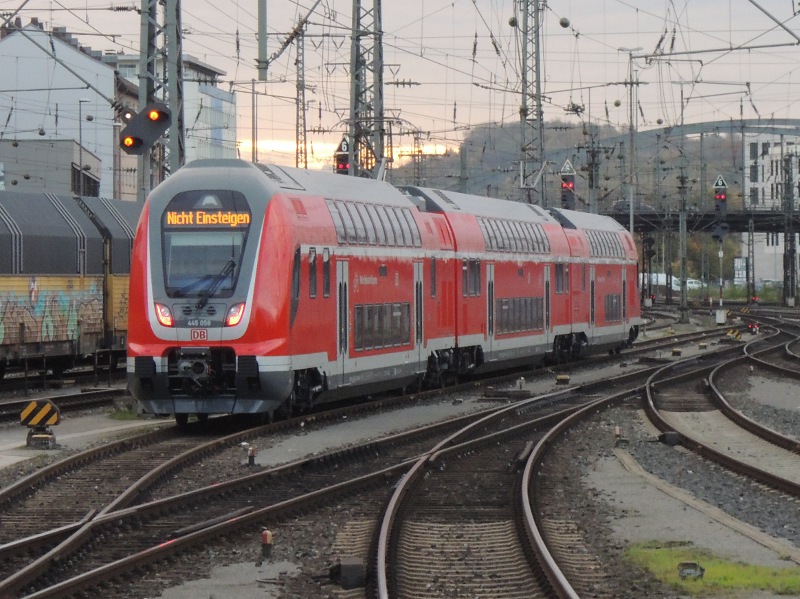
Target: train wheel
x,y
202,418
181,420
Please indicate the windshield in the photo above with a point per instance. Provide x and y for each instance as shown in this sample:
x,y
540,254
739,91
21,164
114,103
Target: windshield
x,y
201,263
203,233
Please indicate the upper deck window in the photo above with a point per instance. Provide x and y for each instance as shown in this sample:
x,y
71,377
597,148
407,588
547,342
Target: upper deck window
x,y
373,224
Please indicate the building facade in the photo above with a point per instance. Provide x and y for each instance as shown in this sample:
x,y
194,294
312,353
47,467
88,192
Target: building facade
x,y
770,163
60,96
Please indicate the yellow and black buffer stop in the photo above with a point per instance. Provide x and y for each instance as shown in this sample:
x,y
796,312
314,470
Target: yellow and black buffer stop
x,y
40,413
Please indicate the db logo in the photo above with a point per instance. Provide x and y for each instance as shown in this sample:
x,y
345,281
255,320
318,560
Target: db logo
x,y
199,334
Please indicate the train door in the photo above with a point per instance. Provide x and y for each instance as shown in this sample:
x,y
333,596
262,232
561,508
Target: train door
x,y
490,311
592,302
419,296
343,307
624,296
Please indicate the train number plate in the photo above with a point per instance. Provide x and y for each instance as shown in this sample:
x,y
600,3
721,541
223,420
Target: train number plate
x,y
199,334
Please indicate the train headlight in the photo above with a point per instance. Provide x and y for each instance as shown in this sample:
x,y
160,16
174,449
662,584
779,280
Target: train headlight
x,y
235,314
164,315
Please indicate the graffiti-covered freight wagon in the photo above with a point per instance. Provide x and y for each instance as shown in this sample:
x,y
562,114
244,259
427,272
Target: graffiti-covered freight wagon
x,y
64,265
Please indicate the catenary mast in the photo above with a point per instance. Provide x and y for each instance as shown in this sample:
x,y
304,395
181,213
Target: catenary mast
x,y
366,127
161,79
531,120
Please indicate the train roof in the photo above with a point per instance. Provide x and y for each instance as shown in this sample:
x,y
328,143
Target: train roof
x,y
209,173
586,220
438,200
42,233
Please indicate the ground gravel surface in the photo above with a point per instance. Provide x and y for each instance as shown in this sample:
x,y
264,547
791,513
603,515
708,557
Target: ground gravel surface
x,y
306,547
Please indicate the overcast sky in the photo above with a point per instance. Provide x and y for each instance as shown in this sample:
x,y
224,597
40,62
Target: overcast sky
x,y
453,64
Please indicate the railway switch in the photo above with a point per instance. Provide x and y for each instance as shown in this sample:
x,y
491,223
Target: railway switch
x,y
38,416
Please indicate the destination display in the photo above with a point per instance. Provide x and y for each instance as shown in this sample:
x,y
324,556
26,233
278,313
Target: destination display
x,y
203,218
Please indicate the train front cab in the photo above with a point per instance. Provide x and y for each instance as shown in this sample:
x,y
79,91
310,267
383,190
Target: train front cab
x,y
199,332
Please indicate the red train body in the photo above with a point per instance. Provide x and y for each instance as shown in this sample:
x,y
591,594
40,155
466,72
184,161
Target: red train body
x,y
259,288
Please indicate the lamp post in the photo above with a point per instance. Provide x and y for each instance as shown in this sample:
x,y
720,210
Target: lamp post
x,y
631,127
80,144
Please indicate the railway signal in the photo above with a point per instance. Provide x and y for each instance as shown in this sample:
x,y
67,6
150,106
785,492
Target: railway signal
x,y
341,159
567,174
568,191
721,198
145,128
341,163
721,203
719,231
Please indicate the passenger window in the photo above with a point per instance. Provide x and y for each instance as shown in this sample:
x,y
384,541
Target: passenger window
x,y
506,233
475,277
396,324
362,211
312,273
433,277
294,302
412,225
349,225
491,244
338,224
378,339
387,325
523,239
369,326
361,231
406,232
359,326
560,279
406,323
387,225
326,273
464,279
380,234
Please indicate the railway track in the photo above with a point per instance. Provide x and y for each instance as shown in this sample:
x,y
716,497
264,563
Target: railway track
x,y
147,526
449,514
83,399
703,421
193,528
42,380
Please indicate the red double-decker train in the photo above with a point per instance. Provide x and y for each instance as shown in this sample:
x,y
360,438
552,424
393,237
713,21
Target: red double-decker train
x,y
258,288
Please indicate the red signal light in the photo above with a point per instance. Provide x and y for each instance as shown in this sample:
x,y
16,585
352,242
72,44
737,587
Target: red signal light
x,y
567,185
720,197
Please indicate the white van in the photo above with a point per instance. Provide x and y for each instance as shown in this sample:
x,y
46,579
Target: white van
x,y
659,279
